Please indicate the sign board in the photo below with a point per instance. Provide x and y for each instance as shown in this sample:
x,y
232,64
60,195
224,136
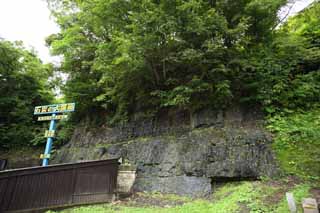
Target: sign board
x,y
55,112
50,117
54,108
45,156
49,134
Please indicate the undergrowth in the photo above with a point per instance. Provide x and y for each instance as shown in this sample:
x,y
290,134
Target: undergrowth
x,y
253,197
297,143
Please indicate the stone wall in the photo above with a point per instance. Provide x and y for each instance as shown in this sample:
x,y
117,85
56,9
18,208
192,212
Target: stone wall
x,y
182,154
172,122
25,157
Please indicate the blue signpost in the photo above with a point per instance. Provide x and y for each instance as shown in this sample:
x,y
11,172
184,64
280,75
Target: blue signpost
x,y
47,151
56,113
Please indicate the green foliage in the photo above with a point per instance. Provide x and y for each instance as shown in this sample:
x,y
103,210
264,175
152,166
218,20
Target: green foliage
x,y
126,57
23,85
285,78
306,24
64,132
281,83
297,142
130,56
299,192
283,75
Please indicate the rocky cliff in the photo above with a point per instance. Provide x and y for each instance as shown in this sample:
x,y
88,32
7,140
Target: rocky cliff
x,y
181,153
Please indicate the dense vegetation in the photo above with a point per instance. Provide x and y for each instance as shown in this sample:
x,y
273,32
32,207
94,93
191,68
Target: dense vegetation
x,y
294,111
124,57
128,56
23,85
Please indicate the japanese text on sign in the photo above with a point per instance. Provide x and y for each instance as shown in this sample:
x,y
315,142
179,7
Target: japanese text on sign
x,y
56,108
43,156
48,118
49,133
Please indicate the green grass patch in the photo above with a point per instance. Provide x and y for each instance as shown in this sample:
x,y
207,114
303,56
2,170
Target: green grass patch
x,y
299,192
254,197
297,143
170,197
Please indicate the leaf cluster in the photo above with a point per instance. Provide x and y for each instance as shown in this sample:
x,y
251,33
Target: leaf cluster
x,y
23,85
125,56
283,75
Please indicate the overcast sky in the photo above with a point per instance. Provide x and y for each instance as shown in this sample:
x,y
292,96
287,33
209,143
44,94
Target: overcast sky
x,y
30,22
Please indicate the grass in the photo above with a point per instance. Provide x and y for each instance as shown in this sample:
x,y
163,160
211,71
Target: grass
x,y
253,197
297,143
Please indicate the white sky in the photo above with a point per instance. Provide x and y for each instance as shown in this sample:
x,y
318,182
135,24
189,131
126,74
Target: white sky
x,y
299,5
30,22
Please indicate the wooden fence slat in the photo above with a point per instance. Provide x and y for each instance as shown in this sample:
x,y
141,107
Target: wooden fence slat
x,y
55,186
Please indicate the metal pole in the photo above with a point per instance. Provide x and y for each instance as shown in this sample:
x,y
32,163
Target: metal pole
x,y
47,151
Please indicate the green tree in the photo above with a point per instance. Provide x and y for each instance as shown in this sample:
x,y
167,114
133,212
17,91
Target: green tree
x,y
284,74
287,78
127,56
23,85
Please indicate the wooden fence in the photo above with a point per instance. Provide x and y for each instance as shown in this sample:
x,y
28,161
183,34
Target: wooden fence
x,y
57,185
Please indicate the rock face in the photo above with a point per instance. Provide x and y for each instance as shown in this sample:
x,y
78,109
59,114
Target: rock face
x,y
212,146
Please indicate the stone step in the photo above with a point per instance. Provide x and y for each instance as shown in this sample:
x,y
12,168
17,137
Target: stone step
x,y
310,205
